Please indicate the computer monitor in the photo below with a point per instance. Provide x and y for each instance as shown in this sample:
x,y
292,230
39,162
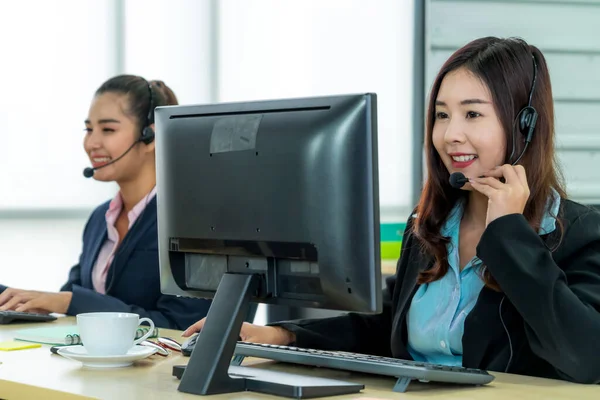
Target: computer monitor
x,y
267,201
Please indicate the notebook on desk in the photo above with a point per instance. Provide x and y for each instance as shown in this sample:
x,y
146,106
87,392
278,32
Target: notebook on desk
x,y
63,335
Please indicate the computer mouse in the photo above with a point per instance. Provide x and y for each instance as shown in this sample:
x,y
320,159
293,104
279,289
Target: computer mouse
x,y
188,346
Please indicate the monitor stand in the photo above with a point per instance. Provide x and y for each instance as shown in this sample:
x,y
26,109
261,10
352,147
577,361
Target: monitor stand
x,y
208,370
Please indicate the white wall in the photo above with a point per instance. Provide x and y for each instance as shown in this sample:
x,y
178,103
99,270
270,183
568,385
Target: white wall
x,y
276,49
234,50
54,56
37,253
170,40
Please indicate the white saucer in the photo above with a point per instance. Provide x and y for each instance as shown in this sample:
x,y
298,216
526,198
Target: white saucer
x,y
78,353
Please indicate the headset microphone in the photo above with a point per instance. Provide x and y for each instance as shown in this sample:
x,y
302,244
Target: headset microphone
x,y
457,180
89,172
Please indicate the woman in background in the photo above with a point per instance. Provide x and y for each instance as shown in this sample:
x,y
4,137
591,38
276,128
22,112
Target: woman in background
x,y
118,269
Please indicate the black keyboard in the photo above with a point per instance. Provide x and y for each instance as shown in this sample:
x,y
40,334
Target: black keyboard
x,y
404,370
6,317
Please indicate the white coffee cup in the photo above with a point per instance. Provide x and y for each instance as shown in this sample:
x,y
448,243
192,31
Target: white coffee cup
x,y
110,333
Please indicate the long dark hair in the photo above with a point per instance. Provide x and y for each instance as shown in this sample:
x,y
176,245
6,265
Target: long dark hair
x,y
138,96
506,67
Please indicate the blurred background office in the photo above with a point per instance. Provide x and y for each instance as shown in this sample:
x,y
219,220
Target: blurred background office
x,y
57,52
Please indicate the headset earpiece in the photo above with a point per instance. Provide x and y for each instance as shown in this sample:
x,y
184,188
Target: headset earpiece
x,y
148,133
527,122
528,115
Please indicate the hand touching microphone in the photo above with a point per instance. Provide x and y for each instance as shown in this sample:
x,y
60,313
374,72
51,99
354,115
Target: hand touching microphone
x,y
503,198
458,180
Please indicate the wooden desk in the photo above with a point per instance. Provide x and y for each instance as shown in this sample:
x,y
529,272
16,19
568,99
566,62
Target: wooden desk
x,y
38,374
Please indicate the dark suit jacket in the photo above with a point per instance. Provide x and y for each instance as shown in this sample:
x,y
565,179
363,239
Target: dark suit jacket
x,y
551,305
133,279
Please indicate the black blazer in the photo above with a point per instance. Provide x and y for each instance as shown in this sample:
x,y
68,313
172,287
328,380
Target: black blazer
x,y
133,279
551,305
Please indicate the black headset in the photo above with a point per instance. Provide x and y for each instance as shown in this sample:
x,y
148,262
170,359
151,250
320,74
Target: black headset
x,y
527,118
148,133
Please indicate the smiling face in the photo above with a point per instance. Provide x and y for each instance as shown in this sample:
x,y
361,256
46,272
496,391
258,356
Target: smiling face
x,y
109,133
467,132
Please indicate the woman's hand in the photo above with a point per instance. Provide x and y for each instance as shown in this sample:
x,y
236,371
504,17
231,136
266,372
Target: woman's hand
x,y
34,301
253,333
503,198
